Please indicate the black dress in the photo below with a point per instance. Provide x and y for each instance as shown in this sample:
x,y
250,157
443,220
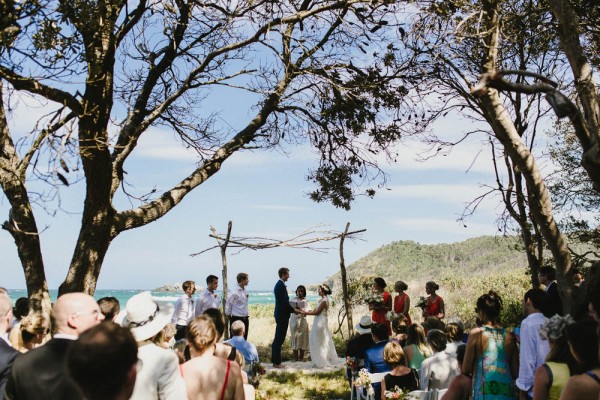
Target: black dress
x,y
409,381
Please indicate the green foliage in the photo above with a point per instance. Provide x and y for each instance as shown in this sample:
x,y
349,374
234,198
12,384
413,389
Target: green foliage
x,y
297,385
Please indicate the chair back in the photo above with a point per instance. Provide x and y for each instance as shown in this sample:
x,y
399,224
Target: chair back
x,y
420,395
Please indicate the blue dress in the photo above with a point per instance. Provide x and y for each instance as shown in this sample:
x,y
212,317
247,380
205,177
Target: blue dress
x,y
492,379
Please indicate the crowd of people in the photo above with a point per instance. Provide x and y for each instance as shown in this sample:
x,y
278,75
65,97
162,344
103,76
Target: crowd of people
x,y
89,349
549,356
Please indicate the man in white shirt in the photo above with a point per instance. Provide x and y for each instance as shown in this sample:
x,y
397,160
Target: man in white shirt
x,y
236,307
184,309
208,298
533,350
438,371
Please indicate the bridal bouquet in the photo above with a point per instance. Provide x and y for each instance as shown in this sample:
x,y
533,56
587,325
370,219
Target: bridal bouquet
x,y
364,381
422,303
395,393
375,299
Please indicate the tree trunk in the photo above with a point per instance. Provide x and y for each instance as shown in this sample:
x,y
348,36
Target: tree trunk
x,y
21,222
347,304
223,247
504,129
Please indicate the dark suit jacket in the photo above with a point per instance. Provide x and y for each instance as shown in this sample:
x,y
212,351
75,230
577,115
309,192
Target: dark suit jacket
x,y
7,357
358,345
554,304
283,309
42,374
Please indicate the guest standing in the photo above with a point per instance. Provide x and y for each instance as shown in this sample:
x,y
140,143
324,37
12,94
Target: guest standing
x,y
379,310
491,354
547,277
441,368
583,343
402,301
184,309
299,326
236,307
533,349
435,304
7,353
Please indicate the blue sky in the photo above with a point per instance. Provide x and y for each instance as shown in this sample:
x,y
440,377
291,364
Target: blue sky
x,y
264,194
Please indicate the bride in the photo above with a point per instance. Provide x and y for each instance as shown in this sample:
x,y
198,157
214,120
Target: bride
x,y
322,349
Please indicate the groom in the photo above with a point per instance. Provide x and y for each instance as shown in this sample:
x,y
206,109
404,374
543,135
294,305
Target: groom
x,y
283,309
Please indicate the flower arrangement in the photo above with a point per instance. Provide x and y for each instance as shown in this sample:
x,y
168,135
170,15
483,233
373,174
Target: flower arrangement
x,y
391,315
375,299
363,380
422,303
395,393
256,372
352,363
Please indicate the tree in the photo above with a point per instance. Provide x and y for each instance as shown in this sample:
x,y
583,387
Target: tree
x,y
110,70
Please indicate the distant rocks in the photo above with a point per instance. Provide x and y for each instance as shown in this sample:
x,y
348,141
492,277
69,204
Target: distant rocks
x,y
175,287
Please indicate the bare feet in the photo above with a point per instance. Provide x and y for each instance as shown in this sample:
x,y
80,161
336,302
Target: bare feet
x,y
278,366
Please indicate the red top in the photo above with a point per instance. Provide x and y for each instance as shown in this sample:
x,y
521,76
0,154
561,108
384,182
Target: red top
x,y
433,307
399,306
378,316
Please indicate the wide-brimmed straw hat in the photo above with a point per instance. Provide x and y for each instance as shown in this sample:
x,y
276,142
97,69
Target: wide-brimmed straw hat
x,y
146,317
364,326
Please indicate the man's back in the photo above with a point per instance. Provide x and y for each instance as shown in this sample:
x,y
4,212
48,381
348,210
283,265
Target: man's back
x,y
374,358
41,374
7,357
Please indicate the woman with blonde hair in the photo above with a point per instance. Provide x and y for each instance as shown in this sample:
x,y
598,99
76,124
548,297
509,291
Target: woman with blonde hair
x,y
205,375
31,332
403,377
416,349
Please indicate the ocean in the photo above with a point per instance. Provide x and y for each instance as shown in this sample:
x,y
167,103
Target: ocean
x,y
255,296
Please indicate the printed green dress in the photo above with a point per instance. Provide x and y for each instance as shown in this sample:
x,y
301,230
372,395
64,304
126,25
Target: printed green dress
x,y
492,380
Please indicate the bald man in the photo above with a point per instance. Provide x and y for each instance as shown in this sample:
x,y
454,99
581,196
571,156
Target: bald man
x,y
7,353
41,372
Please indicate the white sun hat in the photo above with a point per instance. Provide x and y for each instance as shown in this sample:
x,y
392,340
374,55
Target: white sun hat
x,y
146,317
364,326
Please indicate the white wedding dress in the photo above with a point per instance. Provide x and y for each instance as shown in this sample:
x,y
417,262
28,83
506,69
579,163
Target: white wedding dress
x,y
322,349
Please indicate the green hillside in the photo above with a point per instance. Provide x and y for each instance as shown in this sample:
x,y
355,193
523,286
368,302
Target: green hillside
x,y
409,260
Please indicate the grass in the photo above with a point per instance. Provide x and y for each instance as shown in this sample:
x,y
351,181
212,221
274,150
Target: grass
x,y
298,385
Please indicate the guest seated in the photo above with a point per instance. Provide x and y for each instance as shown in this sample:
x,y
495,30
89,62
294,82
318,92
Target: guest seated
x,y
166,337
158,376
358,344
400,326
374,356
30,333
110,307
406,379
207,376
551,377
103,362
442,367
582,338
454,332
460,387
226,351
247,349
416,349
20,311
249,390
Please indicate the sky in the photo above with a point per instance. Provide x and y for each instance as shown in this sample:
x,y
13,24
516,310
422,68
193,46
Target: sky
x,y
264,194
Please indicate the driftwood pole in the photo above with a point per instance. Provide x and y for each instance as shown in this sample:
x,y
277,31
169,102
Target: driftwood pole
x,y
223,247
345,282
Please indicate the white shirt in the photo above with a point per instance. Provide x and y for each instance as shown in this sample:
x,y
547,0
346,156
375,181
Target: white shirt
x,y
184,310
207,300
159,376
438,371
532,352
237,302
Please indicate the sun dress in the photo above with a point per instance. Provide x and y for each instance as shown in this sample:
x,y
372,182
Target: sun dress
x,y
433,307
399,306
492,380
558,374
378,316
299,326
417,358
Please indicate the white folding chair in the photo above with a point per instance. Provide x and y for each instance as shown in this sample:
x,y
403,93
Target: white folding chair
x,y
360,394
437,394
420,395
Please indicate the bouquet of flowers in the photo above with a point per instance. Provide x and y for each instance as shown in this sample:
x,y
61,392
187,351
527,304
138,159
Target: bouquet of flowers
x,y
352,363
391,315
256,372
375,299
395,393
422,303
364,381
